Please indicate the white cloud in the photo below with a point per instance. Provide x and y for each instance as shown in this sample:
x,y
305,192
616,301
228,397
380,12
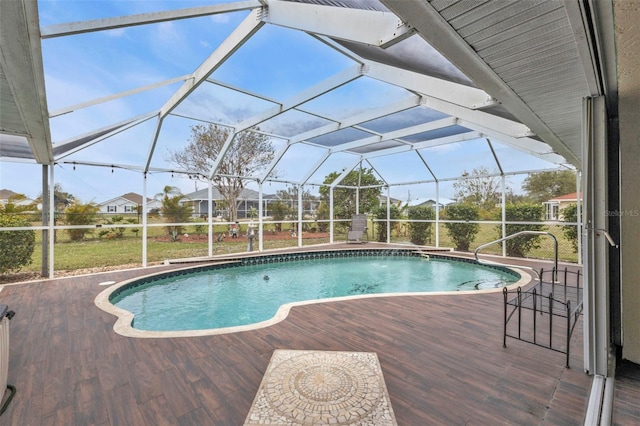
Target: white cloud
x,y
221,18
166,31
116,32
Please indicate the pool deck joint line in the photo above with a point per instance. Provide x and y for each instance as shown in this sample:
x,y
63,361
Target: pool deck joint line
x,y
322,388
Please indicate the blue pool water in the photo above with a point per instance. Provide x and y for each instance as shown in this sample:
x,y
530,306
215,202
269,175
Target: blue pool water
x,y
250,294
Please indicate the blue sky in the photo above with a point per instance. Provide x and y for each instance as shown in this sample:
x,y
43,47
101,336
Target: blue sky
x,y
276,63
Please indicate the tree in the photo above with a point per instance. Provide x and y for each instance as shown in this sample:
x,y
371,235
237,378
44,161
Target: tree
x,y
520,246
462,234
249,153
344,199
14,209
61,199
173,210
420,231
16,246
279,212
291,194
381,214
543,186
322,215
570,214
479,189
80,214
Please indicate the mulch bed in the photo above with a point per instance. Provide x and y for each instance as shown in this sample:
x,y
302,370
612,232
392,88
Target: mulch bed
x,y
187,238
268,236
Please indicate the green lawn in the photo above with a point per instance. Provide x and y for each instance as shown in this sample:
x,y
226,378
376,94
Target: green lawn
x,y
96,252
490,232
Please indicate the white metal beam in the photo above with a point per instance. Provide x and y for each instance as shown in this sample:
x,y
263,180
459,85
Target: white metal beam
x,y
455,93
370,27
526,145
344,174
71,108
100,135
59,30
426,144
274,162
503,125
339,48
438,33
315,167
233,42
24,97
577,17
310,93
265,98
407,131
363,117
377,172
237,38
447,140
597,319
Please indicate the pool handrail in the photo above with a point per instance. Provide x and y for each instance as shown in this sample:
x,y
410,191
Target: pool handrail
x,y
508,237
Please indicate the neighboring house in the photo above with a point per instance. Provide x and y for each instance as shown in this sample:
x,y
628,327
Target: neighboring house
x,y
430,202
554,206
248,200
393,201
127,204
199,200
7,196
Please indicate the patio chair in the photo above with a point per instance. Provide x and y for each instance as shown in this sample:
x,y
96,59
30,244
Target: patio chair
x,y
358,230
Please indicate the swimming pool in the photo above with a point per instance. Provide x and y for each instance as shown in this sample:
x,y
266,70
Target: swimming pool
x,y
255,291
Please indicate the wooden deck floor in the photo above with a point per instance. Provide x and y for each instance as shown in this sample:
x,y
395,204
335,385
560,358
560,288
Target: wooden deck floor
x,y
441,356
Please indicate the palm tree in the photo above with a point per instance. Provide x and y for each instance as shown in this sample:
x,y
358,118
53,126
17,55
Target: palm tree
x,y
173,210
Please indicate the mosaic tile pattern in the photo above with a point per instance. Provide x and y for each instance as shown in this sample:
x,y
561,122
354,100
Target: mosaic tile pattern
x,y
322,388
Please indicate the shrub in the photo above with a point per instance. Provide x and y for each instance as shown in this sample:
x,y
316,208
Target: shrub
x,y
116,232
199,229
462,234
570,214
322,215
279,211
80,214
420,231
174,211
520,246
381,227
16,246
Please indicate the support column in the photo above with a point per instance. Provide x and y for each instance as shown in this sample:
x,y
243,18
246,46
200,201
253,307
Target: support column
x,y
260,219
52,212
504,215
45,232
144,220
437,214
579,214
299,216
388,215
331,215
210,215
596,261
